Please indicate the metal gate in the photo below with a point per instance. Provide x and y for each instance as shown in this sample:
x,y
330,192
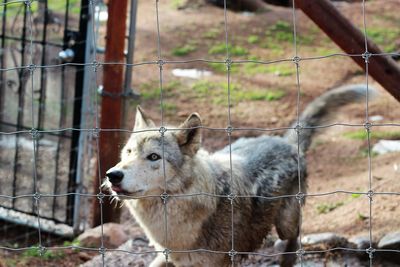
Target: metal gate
x,y
59,36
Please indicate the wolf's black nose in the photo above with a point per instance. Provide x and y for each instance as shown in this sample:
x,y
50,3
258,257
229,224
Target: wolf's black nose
x,y
115,177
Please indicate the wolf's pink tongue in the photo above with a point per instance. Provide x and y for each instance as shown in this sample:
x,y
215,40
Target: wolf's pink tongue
x,y
116,189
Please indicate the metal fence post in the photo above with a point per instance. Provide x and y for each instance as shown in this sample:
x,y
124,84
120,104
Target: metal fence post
x,y
111,104
80,49
131,47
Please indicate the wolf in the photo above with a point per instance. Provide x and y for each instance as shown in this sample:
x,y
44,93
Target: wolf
x,y
209,209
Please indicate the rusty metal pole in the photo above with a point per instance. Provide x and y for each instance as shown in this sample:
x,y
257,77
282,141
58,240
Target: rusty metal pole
x,y
382,68
111,106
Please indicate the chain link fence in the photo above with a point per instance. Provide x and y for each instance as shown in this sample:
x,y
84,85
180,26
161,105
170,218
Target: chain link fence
x,y
95,131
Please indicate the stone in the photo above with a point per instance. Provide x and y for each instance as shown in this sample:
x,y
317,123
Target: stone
x,y
141,257
390,241
360,242
386,146
114,236
327,239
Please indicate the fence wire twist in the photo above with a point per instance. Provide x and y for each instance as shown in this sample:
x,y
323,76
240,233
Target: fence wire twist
x,y
229,62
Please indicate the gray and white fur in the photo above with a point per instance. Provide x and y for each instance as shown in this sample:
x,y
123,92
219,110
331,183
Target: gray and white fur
x,y
265,166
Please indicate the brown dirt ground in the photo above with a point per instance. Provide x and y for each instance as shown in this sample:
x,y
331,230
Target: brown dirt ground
x,y
334,161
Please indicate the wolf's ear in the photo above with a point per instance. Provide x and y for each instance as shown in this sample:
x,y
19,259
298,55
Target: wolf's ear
x,y
189,136
142,121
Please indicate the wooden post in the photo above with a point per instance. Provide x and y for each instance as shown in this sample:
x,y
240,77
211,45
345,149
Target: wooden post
x,y
111,106
382,68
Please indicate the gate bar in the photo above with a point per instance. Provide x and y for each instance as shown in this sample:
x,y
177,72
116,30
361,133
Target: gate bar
x,y
79,49
131,49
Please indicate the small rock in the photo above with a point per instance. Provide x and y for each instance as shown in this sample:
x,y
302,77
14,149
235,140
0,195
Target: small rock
x,y
191,73
84,256
114,236
328,239
360,242
376,118
386,146
390,241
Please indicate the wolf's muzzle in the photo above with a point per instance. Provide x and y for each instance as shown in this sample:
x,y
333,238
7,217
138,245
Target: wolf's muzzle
x,y
115,177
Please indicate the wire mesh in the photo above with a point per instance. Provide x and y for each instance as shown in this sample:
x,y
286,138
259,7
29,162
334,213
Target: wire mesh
x,y
160,61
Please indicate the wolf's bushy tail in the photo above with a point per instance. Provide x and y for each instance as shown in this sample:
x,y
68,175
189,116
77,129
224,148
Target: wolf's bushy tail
x,y
324,106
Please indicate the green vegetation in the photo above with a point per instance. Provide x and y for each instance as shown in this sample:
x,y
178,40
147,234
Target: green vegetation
x,y
362,135
254,95
220,48
46,255
176,4
184,50
13,9
60,6
364,152
361,216
221,67
277,69
328,207
212,33
282,32
73,243
151,90
384,37
253,39
355,195
218,92
169,107
323,51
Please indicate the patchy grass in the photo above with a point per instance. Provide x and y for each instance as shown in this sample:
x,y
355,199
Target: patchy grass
x,y
46,255
282,32
355,195
361,217
73,243
169,107
376,135
218,92
13,9
364,152
384,37
252,68
234,50
277,69
184,50
221,67
60,6
212,33
328,207
253,39
324,51
151,90
176,4
258,95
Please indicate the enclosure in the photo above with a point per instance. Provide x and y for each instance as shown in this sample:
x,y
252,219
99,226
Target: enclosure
x,y
73,71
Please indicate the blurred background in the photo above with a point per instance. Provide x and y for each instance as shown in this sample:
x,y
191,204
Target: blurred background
x,y
93,62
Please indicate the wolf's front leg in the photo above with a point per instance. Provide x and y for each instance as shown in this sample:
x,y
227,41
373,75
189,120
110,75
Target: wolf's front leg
x,y
159,261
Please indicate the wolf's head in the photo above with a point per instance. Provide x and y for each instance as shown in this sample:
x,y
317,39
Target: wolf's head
x,y
148,159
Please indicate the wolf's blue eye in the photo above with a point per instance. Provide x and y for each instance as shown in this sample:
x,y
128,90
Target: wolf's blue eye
x,y
153,157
